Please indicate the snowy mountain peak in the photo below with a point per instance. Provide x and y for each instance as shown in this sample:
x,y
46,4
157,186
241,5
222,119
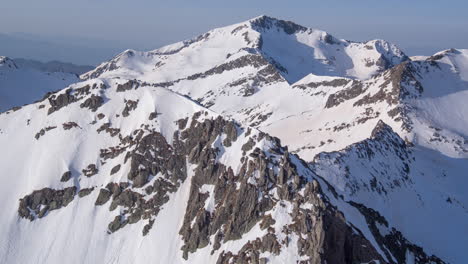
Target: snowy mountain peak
x,y
294,50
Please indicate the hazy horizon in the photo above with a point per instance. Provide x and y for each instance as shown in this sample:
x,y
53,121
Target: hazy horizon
x,y
91,32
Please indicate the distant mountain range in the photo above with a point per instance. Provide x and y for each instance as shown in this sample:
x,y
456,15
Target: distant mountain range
x,y
53,66
41,48
25,81
260,142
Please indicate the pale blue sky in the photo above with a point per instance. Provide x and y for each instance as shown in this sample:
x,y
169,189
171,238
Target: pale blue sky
x,y
108,26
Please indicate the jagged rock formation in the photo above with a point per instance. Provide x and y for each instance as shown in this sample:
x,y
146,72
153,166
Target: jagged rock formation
x,y
40,202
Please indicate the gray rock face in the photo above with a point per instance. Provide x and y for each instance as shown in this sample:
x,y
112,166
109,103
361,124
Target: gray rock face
x,y
85,90
333,83
84,192
249,145
43,131
129,106
238,209
132,84
115,169
108,129
147,227
112,153
324,235
40,202
69,125
331,240
250,252
247,60
66,176
153,115
71,95
136,208
145,162
59,101
230,130
104,196
90,171
356,89
93,102
118,223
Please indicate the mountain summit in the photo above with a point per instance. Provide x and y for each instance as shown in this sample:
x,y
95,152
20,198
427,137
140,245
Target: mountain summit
x,y
260,142
293,50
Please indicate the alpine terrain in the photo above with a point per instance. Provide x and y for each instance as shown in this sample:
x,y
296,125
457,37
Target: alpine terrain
x,y
260,142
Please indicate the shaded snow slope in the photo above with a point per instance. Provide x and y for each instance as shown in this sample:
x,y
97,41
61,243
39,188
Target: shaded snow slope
x,y
417,190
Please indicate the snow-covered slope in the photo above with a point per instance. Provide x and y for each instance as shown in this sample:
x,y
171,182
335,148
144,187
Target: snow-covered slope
x,y
260,142
104,172
416,190
21,85
257,72
412,171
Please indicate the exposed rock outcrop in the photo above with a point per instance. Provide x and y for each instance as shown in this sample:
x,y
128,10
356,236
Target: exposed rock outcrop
x,y
40,202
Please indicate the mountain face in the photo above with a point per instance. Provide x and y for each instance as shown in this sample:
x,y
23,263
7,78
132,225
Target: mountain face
x,y
249,70
20,85
260,142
